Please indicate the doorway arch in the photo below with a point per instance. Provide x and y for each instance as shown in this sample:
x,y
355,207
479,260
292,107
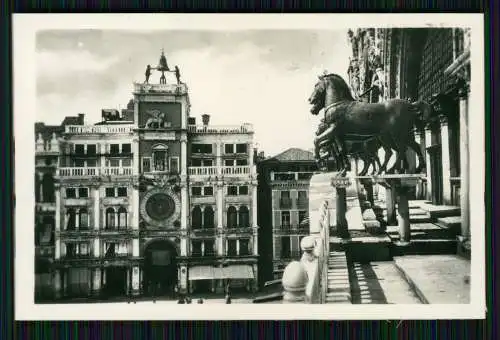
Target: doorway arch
x,y
160,267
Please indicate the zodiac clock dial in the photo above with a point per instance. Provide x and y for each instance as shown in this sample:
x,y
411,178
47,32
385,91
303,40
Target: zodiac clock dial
x,y
160,207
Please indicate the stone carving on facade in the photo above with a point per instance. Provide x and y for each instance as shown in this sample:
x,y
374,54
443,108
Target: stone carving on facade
x,y
157,121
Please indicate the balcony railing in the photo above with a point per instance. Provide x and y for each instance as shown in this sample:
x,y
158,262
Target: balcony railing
x,y
292,255
220,129
215,171
98,129
202,171
285,203
302,203
117,171
160,88
235,170
93,171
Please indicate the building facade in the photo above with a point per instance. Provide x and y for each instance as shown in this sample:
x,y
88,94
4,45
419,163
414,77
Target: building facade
x,y
147,201
283,207
46,163
433,65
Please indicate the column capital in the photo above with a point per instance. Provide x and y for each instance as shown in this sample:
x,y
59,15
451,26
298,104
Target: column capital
x,y
443,119
463,86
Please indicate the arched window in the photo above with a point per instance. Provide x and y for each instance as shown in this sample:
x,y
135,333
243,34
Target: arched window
x,y
244,220
196,218
208,217
160,157
122,218
71,219
232,217
48,188
83,218
110,218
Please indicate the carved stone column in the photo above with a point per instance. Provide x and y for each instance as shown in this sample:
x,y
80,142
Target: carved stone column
x,y
57,249
220,218
445,159
464,161
184,218
390,203
341,183
428,143
136,159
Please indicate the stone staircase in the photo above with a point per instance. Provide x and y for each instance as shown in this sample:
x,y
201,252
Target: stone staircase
x,y
338,286
433,229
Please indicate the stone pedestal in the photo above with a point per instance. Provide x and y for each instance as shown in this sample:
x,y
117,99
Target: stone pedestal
x,y
445,160
390,202
340,184
403,214
464,162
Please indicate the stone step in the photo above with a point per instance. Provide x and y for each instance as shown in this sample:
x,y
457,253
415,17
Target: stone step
x,y
452,223
422,231
425,247
437,211
338,285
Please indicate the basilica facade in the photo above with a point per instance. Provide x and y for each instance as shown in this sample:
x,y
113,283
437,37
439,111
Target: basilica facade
x,y
145,202
431,65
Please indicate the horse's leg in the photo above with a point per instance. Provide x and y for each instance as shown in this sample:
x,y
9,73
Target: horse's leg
x,y
421,160
366,163
388,147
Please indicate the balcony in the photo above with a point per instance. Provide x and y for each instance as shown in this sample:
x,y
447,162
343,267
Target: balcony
x,y
302,203
117,171
239,230
235,170
285,203
203,231
291,255
176,89
98,129
219,171
220,129
202,171
94,171
291,229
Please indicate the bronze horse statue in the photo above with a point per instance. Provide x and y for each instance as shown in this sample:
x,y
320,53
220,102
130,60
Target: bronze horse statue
x,y
348,120
366,150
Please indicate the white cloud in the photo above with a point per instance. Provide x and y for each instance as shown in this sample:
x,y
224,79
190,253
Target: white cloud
x,y
61,63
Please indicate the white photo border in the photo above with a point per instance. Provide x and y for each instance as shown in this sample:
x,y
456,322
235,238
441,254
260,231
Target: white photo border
x,y
25,27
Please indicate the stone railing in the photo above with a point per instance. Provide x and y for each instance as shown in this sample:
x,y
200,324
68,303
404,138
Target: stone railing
x,y
223,170
94,171
220,129
160,88
305,281
98,129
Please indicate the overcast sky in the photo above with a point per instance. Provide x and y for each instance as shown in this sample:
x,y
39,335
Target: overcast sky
x,y
261,77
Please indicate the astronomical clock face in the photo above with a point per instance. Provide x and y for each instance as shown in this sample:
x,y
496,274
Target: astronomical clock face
x,y
160,207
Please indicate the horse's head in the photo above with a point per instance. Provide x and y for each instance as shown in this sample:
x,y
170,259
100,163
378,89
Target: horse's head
x,y
330,89
317,98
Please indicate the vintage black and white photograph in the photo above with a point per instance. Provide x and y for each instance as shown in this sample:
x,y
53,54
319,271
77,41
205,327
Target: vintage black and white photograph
x,y
338,165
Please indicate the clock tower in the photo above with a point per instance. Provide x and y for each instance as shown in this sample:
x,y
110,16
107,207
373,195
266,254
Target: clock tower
x,y
161,110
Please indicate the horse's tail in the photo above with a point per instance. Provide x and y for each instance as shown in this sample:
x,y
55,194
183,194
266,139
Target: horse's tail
x,y
423,111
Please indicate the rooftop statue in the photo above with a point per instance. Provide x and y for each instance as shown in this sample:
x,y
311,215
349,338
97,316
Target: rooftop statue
x,y
348,121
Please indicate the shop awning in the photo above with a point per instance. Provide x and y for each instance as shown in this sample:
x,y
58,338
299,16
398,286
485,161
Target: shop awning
x,y
201,273
238,271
